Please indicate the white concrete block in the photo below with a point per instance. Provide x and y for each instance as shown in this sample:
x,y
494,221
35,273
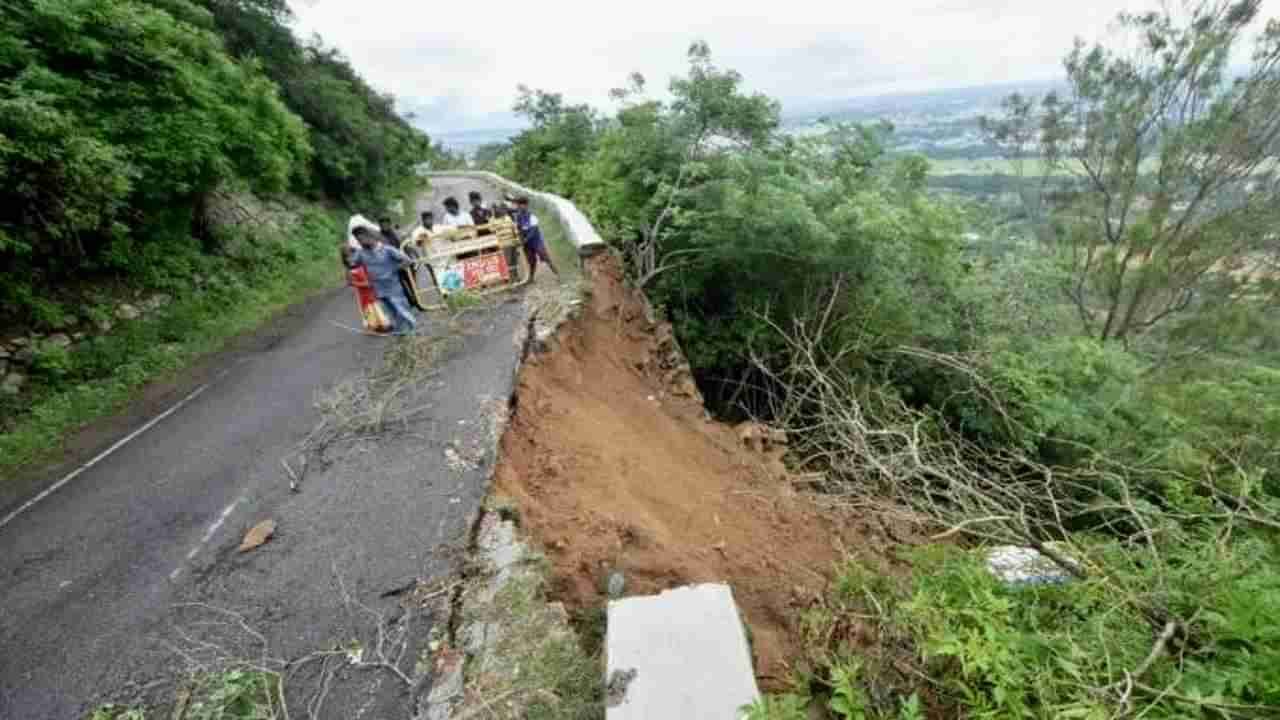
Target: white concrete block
x,y
688,650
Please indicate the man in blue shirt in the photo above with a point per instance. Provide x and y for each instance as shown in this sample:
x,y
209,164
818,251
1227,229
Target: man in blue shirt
x,y
383,262
535,248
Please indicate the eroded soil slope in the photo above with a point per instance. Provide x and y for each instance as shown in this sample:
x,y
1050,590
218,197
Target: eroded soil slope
x,y
614,465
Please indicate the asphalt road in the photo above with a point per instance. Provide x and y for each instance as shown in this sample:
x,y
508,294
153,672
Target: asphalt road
x,y
97,577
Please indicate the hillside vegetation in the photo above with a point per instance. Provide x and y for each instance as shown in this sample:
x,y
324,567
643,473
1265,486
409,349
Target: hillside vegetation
x,y
130,132
1099,380
122,118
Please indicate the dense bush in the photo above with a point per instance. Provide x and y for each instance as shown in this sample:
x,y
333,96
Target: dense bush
x,y
974,646
119,119
365,152
116,119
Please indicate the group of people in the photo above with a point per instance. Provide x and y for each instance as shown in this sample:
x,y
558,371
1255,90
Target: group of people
x,y
516,208
380,272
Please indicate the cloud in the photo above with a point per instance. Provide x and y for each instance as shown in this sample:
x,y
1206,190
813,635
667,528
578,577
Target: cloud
x,y
459,64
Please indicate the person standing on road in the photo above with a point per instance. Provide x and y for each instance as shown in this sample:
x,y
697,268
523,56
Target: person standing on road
x,y
388,232
355,222
535,247
371,312
480,215
383,263
390,237
421,237
453,216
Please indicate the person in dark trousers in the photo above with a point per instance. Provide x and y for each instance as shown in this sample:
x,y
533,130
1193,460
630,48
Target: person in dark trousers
x,y
384,263
535,248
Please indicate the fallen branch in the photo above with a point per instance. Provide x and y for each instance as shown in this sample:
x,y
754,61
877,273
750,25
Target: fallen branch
x,y
961,527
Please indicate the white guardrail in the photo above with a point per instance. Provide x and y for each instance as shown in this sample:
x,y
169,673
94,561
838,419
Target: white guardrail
x,y
581,233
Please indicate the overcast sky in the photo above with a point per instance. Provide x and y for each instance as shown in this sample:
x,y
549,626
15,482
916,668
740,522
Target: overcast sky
x,y
458,63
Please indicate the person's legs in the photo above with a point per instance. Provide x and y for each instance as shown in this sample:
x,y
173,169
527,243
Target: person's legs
x,y
402,320
539,250
532,256
513,264
546,257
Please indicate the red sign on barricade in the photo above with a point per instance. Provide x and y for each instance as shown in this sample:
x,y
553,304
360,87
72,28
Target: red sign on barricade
x,y
484,270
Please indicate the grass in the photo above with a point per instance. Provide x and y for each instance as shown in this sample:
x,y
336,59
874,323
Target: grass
x,y
244,289
540,670
238,693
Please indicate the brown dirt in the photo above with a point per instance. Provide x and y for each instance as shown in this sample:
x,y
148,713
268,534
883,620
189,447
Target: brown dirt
x,y
614,465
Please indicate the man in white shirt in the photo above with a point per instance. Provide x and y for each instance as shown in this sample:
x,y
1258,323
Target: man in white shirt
x,y
453,215
421,237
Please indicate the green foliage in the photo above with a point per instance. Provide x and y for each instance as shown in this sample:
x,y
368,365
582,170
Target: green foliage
x,y
95,377
547,674
114,110
1156,434
1068,391
778,707
733,227
116,712
488,155
547,154
993,650
236,695
848,700
119,119
365,152
1221,421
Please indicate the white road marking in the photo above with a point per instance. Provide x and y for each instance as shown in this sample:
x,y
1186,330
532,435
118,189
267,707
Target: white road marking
x,y
226,513
103,455
208,535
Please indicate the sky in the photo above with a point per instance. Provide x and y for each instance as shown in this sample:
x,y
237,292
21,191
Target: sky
x,y
456,65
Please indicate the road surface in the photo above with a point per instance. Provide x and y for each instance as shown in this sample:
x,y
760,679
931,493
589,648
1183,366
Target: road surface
x,y
96,577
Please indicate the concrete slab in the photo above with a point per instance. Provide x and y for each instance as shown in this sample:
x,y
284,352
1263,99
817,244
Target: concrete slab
x,y
680,654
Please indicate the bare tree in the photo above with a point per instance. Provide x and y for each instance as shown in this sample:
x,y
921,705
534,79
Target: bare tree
x,y
1173,166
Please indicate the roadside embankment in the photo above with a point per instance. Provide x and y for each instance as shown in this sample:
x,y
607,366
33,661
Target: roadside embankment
x,y
613,481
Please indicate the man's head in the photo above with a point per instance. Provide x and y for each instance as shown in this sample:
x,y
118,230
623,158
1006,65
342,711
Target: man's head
x,y
451,205
522,202
366,237
384,223
475,198
346,251
428,219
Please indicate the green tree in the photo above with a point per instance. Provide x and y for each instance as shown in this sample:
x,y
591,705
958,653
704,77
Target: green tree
x,y
1168,222
487,155
708,115
365,151
550,153
116,120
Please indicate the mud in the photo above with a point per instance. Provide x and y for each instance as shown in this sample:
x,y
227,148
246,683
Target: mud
x,y
615,465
